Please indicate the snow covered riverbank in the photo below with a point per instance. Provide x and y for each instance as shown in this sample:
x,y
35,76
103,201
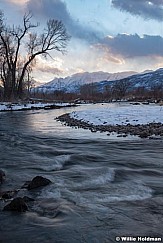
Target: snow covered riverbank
x,y
142,120
29,106
121,115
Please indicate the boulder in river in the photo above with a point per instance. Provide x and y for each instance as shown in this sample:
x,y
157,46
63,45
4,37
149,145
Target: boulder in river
x,y
18,205
2,176
38,181
25,186
8,194
28,199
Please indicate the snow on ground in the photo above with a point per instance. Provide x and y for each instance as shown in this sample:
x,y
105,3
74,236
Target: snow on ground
x,y
121,115
26,106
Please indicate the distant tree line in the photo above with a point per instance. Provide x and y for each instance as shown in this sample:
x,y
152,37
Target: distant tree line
x,y
121,90
115,91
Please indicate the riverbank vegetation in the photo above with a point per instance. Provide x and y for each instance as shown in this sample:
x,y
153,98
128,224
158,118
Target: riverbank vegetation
x,y
118,91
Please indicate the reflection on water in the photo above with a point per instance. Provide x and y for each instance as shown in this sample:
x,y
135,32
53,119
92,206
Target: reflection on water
x,y
44,123
102,187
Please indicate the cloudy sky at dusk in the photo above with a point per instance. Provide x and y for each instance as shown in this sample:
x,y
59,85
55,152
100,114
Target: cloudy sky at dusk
x,y
106,35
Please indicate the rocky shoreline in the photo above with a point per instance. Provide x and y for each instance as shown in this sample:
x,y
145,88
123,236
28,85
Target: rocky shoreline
x,y
150,130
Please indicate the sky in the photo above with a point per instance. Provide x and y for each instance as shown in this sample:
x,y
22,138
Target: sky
x,y
106,35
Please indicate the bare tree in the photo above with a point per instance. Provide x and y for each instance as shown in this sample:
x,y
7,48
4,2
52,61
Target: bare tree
x,y
89,91
19,47
108,92
120,88
157,91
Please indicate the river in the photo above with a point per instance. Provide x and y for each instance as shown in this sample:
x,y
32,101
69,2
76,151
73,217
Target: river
x,y
103,187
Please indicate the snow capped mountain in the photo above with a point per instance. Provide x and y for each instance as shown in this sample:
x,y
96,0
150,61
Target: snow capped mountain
x,y
147,80
144,79
146,71
74,82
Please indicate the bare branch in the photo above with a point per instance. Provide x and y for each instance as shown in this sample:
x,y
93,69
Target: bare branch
x,y
14,40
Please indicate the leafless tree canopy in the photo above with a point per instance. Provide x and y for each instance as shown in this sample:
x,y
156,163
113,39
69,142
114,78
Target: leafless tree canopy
x,y
120,88
20,45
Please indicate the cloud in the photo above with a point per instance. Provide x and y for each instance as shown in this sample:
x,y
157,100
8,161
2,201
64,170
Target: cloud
x,y
49,69
17,1
104,54
148,9
159,62
49,66
130,46
58,9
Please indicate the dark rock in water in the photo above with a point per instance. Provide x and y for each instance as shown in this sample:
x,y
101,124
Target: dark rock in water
x,y
28,199
119,136
8,194
18,205
2,176
25,186
135,103
38,181
143,135
125,135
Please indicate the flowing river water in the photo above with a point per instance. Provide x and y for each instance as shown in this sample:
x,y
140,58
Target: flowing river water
x,y
103,187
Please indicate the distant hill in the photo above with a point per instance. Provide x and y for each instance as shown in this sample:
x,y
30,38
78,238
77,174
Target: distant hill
x,y
144,79
147,80
74,82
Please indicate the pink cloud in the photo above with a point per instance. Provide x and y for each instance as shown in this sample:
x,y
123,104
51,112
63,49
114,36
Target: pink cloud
x,y
18,2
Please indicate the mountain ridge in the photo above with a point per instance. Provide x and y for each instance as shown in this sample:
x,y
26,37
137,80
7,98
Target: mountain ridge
x,y
147,80
74,82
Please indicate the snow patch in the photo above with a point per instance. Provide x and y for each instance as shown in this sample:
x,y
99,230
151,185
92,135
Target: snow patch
x,y
121,115
27,106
